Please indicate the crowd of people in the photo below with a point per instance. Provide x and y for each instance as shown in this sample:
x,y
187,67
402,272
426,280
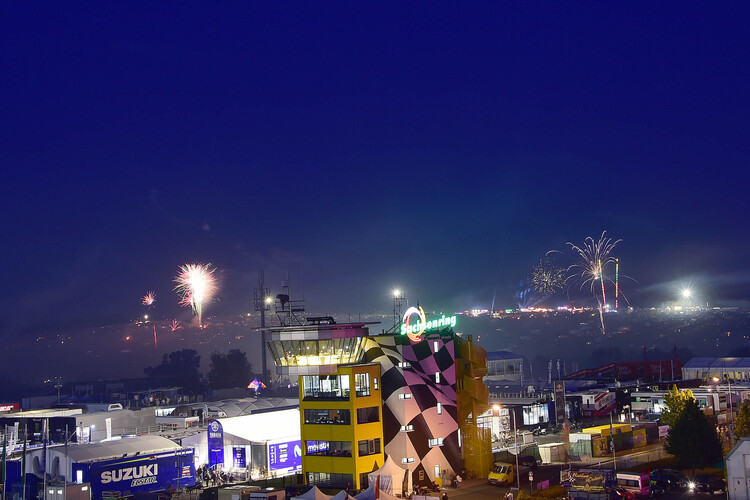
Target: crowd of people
x,y
211,477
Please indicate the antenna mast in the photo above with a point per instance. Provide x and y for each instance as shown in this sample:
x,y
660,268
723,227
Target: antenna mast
x,y
262,302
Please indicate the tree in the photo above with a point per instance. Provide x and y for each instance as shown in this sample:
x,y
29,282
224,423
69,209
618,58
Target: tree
x,y
178,368
693,440
229,370
675,401
742,420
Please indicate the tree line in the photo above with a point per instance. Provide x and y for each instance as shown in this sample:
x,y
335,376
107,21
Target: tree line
x,y
182,368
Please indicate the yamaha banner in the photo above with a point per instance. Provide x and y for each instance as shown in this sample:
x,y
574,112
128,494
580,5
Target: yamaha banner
x,y
215,444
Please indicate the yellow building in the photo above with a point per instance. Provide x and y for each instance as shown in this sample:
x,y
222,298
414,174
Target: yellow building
x,y
473,400
341,420
604,429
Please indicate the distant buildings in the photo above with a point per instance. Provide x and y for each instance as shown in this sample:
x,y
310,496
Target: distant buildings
x,y
731,369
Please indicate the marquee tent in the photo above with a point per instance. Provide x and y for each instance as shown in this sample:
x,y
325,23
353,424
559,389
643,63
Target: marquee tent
x,y
369,494
342,495
313,494
391,477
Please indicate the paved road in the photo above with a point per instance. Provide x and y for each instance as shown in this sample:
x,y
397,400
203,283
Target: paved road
x,y
478,489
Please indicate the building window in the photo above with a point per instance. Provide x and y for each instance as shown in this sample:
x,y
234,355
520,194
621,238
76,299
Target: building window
x,y
404,364
409,460
407,428
367,415
369,447
406,395
329,480
329,387
437,377
435,442
328,448
362,384
440,408
327,417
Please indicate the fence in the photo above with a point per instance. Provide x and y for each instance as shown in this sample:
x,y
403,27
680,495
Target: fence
x,y
626,462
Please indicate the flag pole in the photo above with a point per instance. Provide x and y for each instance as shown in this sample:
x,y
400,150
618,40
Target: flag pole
x,y
5,440
23,460
65,472
612,441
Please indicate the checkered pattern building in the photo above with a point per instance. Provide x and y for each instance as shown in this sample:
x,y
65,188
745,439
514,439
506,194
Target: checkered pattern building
x,y
420,403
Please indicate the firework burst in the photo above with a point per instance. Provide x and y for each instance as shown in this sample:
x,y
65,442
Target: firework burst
x,y
593,258
546,278
149,299
196,285
175,325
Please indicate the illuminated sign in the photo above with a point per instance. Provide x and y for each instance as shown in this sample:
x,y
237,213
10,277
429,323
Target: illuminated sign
x,y
285,456
416,330
9,407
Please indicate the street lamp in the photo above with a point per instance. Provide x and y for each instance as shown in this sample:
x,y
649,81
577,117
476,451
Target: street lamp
x,y
515,439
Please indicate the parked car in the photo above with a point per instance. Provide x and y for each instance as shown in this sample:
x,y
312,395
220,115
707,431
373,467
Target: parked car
x,y
658,488
637,483
501,473
623,494
671,479
708,483
527,460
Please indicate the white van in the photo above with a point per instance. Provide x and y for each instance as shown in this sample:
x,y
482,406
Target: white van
x,y
637,483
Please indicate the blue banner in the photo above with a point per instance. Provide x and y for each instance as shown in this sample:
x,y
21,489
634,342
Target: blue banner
x,y
285,456
215,444
238,457
141,474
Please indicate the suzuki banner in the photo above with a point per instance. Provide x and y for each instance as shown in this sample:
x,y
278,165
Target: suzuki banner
x,y
141,474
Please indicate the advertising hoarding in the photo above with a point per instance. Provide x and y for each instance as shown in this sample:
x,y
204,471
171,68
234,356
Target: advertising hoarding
x,y
285,456
139,474
238,457
215,444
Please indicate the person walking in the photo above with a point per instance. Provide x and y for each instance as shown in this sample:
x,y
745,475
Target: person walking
x,y
458,481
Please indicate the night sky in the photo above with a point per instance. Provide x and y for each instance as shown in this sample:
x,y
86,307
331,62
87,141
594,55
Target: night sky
x,y
438,147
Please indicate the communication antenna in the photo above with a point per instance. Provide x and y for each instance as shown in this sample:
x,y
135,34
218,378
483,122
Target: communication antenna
x,y
58,385
262,301
398,301
289,312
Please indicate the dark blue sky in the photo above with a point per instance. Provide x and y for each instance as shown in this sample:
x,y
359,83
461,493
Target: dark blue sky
x,y
439,147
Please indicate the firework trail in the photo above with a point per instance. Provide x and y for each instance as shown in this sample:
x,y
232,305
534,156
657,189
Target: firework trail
x,y
546,278
175,325
593,258
149,299
196,284
156,345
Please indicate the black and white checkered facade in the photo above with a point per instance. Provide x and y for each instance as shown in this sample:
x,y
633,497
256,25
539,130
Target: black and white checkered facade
x,y
420,414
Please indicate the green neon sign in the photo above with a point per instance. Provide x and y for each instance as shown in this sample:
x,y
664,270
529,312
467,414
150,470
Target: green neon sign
x,y
416,330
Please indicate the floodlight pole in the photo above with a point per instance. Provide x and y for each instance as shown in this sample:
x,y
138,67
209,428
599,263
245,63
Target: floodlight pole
x,y
515,437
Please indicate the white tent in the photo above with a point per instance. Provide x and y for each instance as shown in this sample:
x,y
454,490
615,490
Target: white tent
x,y
342,495
313,494
369,494
391,477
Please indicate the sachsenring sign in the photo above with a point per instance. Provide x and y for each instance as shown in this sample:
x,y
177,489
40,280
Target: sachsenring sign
x,y
415,331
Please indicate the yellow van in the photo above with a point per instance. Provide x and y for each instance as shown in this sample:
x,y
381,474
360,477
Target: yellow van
x,y
501,473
